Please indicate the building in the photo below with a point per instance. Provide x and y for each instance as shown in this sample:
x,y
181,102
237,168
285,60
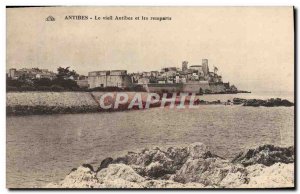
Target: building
x,y
198,69
154,73
233,88
48,75
194,78
12,73
168,71
33,73
143,80
114,78
82,81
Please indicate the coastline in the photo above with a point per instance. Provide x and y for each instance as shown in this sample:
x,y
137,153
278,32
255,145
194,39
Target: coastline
x,y
43,103
92,137
193,166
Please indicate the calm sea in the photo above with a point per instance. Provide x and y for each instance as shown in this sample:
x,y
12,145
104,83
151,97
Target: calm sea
x,y
43,149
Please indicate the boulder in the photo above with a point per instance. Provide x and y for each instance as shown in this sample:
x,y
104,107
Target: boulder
x,y
268,103
238,101
197,150
234,179
254,102
178,156
286,103
154,163
266,155
119,171
278,175
105,163
82,177
157,163
193,166
123,176
210,172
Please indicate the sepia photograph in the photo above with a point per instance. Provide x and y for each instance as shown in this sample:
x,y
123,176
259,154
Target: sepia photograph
x,y
157,97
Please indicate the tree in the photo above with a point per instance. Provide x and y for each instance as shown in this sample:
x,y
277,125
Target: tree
x,y
65,73
67,84
42,82
63,78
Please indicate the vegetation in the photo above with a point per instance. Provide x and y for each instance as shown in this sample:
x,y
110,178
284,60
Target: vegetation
x,y
63,82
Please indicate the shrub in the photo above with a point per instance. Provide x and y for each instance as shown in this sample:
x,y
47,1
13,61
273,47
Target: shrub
x,y
27,88
43,88
67,84
57,88
14,83
11,88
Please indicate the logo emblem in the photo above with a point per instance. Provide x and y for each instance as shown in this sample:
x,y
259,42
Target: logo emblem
x,y
50,18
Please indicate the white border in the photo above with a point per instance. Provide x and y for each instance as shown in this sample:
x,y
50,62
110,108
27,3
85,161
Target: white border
x,y
4,3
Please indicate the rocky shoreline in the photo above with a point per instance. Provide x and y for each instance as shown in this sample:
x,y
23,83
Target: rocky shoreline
x,y
272,102
193,166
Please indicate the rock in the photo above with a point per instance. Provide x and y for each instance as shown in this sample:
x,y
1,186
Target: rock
x,y
278,102
105,163
193,166
123,176
120,183
86,166
119,171
156,170
278,175
234,179
209,172
268,103
157,163
197,150
238,101
115,176
266,155
170,184
254,102
142,159
152,163
178,156
286,103
82,177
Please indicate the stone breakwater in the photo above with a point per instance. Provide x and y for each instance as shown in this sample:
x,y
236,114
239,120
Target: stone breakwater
x,y
37,103
27,103
187,167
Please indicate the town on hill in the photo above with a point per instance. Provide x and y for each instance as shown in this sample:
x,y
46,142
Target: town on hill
x,y
199,79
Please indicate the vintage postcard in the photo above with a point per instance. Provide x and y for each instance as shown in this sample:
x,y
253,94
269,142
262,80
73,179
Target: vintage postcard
x,y
150,97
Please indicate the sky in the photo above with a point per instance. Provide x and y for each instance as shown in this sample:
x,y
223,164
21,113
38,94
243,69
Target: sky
x,y
253,47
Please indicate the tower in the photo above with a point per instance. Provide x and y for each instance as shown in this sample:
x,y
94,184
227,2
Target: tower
x,y
205,67
184,65
12,72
